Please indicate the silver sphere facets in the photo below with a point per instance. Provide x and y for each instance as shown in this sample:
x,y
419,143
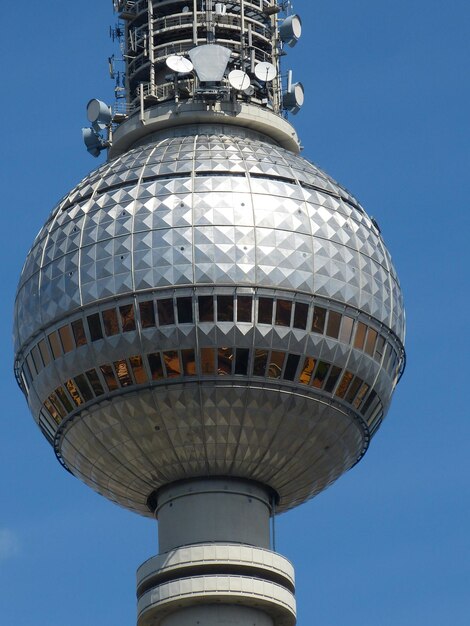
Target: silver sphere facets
x,y
208,304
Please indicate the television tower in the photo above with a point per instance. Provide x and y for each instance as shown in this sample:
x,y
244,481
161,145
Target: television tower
x,y
208,328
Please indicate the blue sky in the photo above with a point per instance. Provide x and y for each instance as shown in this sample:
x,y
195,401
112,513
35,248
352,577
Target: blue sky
x,y
387,114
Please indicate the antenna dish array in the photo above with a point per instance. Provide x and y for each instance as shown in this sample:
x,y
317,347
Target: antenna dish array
x,y
290,30
101,117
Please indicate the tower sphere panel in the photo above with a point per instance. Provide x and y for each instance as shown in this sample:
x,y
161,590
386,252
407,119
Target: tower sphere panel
x,y
208,304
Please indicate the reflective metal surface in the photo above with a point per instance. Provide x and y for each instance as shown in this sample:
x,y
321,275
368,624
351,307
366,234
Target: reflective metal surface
x,y
202,217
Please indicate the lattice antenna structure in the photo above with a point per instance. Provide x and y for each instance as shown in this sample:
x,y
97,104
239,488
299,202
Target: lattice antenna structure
x,y
208,329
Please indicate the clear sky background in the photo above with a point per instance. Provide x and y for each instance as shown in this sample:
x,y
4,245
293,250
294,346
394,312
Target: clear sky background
x,y
387,114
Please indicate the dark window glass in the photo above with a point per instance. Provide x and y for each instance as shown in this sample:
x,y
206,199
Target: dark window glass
x,y
138,369
55,409
147,314
368,402
206,308
55,399
172,363
127,317
94,326
320,374
122,372
276,363
46,357
79,333
185,310
109,377
73,391
265,311
353,389
31,365
95,382
63,397
388,353
300,315
208,361
360,396
283,312
346,329
155,364
224,308
344,384
360,335
291,366
307,370
83,387
244,306
224,361
334,321
55,344
370,341
37,359
189,362
166,312
110,321
241,361
26,375
318,321
66,338
332,378
259,362
379,348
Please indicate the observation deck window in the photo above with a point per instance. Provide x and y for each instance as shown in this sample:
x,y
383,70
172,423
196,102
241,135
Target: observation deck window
x,y
166,312
83,387
320,374
244,308
64,399
259,363
291,366
66,339
360,336
283,312
46,357
172,363
55,344
189,362
224,361
78,331
360,396
344,384
346,329
332,378
110,321
74,393
307,370
94,326
147,314
206,308
241,361
127,317
318,321
155,364
185,310
137,365
353,389
334,322
208,361
225,308
300,315
122,372
109,377
37,360
276,363
95,382
265,311
370,341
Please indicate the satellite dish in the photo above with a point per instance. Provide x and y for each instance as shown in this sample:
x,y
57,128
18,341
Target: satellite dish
x,y
210,62
93,141
179,64
265,72
290,30
99,113
294,99
239,80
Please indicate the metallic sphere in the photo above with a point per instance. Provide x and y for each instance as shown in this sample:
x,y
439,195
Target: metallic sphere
x,y
208,304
